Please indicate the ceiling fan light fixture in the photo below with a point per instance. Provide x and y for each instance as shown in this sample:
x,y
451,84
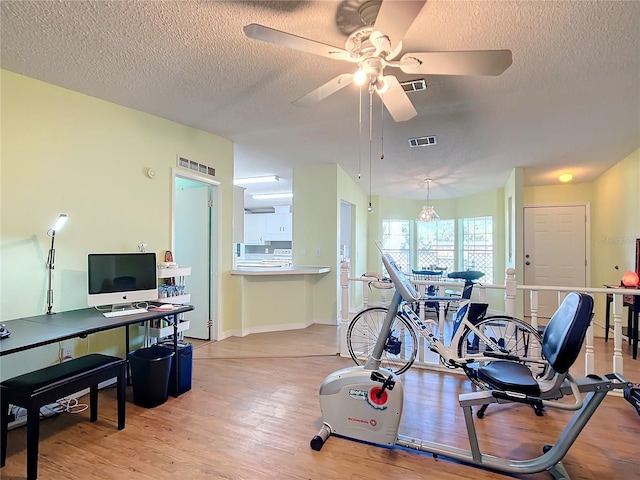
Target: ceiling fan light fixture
x,y
359,77
382,85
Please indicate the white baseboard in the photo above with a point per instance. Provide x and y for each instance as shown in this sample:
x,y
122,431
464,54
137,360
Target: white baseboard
x,y
327,321
274,328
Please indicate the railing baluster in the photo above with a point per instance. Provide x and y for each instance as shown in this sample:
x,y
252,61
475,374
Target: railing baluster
x,y
344,311
618,363
509,307
534,308
589,354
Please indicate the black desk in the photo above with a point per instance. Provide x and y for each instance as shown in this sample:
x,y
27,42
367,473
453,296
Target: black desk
x,y
632,302
32,332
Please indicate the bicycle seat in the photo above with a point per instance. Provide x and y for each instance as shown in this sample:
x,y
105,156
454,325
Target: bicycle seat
x,y
470,275
423,274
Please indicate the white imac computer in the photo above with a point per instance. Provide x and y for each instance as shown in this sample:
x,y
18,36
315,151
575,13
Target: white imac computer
x,y
121,278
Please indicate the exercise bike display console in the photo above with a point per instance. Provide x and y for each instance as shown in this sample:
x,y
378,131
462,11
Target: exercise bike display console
x,y
365,403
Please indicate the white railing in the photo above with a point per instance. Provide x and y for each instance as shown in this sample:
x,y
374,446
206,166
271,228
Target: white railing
x,y
426,359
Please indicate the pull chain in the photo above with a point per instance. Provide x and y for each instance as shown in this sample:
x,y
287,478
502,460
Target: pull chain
x,y
360,134
370,208
382,129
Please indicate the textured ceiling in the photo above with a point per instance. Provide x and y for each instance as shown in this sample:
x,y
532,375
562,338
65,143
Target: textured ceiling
x,y
570,101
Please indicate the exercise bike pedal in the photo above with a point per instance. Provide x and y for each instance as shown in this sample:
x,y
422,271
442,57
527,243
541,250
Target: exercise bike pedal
x,y
387,382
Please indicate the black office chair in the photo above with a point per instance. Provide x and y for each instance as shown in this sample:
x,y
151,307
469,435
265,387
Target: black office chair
x,y
561,343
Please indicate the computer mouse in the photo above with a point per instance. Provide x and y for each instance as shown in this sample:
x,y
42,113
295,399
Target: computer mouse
x,y
4,332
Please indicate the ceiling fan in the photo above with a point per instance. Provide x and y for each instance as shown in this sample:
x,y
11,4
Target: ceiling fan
x,y
375,46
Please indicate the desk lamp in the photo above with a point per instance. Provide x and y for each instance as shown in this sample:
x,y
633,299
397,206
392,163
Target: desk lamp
x,y
50,261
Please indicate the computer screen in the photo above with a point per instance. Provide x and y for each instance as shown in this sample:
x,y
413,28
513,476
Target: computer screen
x,y
118,278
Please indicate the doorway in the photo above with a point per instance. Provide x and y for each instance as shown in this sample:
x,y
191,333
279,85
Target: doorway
x,y
195,244
556,248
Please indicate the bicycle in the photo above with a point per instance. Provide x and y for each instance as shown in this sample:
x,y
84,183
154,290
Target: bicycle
x,y
476,338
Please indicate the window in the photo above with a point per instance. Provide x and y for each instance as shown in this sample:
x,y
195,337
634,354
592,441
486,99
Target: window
x,y
436,245
396,240
477,246
441,244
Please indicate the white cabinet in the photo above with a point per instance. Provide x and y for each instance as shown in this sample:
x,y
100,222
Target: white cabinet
x,y
267,227
255,228
279,227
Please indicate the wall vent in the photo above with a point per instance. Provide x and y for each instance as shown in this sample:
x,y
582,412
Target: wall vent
x,y
198,167
414,85
422,141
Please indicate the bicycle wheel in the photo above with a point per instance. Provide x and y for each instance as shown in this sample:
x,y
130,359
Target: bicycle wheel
x,y
400,347
511,336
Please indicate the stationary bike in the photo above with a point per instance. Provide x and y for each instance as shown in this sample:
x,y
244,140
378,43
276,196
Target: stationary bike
x,y
365,402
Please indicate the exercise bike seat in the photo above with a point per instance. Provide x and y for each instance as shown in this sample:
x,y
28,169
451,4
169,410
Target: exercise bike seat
x,y
466,275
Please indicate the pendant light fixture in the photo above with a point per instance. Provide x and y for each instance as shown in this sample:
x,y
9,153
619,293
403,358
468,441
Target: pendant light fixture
x,y
428,213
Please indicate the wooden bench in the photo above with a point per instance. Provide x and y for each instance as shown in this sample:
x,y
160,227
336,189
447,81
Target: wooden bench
x,y
36,389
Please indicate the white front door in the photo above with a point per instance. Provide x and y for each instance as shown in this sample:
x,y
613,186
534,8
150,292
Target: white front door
x,y
555,251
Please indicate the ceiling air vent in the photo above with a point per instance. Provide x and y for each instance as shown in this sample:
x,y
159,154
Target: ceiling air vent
x,y
198,167
422,141
414,85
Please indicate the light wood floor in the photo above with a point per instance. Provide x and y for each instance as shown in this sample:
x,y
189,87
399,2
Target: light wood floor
x,y
254,408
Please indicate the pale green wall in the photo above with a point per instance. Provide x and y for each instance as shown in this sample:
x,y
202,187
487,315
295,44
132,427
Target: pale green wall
x,y
276,302
316,214
616,220
559,194
64,152
350,192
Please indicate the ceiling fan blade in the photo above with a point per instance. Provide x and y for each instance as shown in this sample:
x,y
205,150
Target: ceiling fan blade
x,y
266,34
478,62
322,92
395,18
396,100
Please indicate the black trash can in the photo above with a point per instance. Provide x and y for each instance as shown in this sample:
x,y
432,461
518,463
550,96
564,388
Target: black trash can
x,y
150,376
183,365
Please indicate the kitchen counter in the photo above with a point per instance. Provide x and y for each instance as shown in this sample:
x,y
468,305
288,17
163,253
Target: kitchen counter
x,y
281,298
271,270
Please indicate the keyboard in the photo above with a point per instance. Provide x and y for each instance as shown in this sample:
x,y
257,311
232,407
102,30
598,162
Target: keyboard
x,y
120,313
